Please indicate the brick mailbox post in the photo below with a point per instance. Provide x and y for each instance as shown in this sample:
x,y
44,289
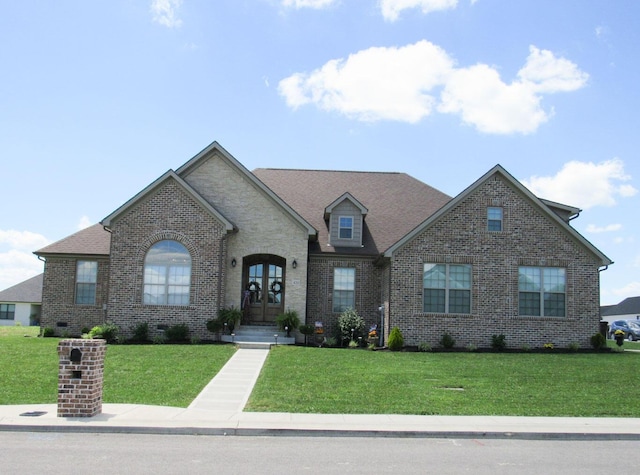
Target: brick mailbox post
x,y
80,377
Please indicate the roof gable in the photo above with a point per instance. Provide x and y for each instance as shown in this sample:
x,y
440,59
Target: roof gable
x,y
346,196
170,175
217,150
541,205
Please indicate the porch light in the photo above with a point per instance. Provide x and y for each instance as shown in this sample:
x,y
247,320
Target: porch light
x,y
233,262
294,264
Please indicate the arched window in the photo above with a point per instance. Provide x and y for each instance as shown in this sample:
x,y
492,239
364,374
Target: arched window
x,y
167,274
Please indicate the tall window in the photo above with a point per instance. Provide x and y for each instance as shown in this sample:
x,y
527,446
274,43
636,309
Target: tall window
x,y
344,288
167,274
447,288
345,227
542,291
7,311
86,280
494,219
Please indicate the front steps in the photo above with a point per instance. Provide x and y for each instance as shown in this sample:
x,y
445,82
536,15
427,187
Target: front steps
x,y
258,336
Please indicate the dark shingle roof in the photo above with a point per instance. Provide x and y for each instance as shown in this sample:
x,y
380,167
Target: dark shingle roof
x,y
396,202
28,291
628,306
91,241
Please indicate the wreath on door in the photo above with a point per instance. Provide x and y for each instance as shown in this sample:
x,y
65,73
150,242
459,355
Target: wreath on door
x,y
276,287
253,286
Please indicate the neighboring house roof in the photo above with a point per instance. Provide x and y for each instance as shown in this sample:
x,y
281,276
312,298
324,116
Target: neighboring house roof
x,y
396,202
629,306
29,291
170,175
544,207
92,241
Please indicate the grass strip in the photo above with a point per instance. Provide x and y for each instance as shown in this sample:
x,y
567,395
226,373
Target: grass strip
x,y
318,380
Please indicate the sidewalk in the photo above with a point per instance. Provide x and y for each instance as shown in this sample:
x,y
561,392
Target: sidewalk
x,y
218,411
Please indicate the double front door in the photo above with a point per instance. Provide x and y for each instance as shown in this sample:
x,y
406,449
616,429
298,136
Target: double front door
x,y
263,284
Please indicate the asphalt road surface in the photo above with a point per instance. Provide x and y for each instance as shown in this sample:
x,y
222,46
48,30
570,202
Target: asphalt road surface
x,y
62,453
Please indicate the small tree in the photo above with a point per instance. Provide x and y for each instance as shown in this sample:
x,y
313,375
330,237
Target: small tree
x,y
214,326
351,325
306,330
396,340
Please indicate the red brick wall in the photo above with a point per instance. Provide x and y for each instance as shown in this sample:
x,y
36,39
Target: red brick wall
x,y
168,213
529,238
58,297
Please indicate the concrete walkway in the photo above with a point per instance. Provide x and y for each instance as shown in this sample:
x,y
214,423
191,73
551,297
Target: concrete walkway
x,y
218,410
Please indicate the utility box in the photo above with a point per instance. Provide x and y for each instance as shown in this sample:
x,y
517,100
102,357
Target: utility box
x,y
80,377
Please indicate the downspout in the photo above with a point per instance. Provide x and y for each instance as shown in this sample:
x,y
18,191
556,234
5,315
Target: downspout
x,y
221,266
105,307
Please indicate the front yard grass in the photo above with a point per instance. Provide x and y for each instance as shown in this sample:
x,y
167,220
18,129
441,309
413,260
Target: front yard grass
x,y
165,375
317,380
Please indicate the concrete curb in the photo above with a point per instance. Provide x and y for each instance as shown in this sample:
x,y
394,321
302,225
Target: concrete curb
x,y
276,432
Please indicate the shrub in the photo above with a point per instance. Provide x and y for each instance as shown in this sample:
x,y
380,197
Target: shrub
x,y
107,331
350,325
288,321
396,340
574,346
231,316
178,333
498,342
598,341
141,333
471,348
330,342
48,332
306,330
447,341
424,347
214,325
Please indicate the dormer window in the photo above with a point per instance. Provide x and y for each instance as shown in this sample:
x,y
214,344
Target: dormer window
x,y
345,217
345,230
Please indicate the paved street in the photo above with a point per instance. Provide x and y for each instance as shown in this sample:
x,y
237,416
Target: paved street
x,y
69,454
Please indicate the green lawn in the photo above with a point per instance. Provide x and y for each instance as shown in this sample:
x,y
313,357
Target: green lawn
x,y
168,375
297,379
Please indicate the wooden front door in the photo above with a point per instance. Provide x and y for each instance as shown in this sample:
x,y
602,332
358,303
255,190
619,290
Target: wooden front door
x,y
264,288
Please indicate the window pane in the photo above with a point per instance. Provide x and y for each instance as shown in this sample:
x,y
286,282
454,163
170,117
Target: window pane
x,y
167,274
494,219
434,300
459,301
554,279
529,304
529,279
86,278
344,284
345,230
460,277
554,305
435,276
7,311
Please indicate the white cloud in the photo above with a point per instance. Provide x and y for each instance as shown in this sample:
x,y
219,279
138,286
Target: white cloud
x,y
592,228
17,266
632,288
84,222
317,4
165,12
404,84
584,184
374,84
23,240
391,8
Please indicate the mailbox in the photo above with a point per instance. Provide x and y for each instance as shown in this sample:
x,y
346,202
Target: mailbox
x,y
76,355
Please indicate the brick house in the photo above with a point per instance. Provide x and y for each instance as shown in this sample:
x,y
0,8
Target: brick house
x,y
493,260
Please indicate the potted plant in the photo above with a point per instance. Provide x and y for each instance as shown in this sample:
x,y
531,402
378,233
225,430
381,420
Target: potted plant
x,y
619,336
288,321
229,317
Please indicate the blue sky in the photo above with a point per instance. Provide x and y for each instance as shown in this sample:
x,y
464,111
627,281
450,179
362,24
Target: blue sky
x,y
99,98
